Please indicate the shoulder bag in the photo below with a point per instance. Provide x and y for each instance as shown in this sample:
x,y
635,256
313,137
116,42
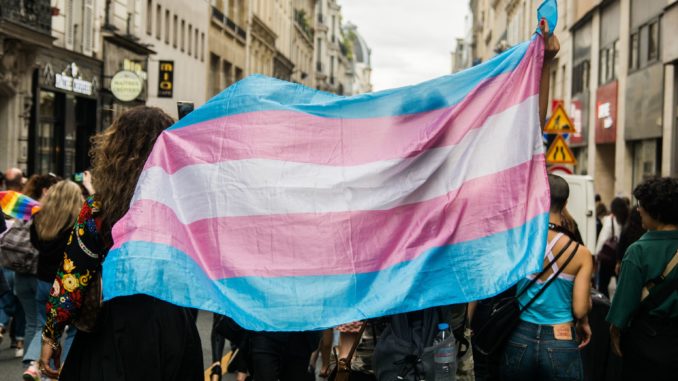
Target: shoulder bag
x,y
608,253
342,370
16,250
505,315
654,337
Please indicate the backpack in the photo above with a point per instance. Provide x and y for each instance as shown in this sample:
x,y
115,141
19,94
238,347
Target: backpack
x,y
16,251
404,350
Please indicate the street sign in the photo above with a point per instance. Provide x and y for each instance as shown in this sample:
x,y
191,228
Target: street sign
x,y
560,153
559,123
556,169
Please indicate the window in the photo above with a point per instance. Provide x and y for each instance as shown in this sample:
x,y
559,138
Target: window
x,y
195,50
635,51
167,26
183,34
653,48
609,67
190,38
580,77
158,23
176,31
149,17
202,47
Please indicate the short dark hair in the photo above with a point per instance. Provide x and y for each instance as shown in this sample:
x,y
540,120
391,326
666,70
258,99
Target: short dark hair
x,y
560,192
659,198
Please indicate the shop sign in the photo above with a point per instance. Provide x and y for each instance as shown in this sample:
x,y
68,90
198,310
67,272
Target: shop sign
x,y
166,79
126,86
70,80
606,113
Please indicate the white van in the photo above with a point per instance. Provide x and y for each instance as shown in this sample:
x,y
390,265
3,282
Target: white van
x,y
582,206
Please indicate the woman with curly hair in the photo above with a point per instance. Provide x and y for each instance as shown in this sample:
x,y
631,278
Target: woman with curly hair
x,y
644,311
134,337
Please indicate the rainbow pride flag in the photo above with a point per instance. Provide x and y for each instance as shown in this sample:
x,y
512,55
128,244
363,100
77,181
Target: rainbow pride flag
x,y
288,208
17,205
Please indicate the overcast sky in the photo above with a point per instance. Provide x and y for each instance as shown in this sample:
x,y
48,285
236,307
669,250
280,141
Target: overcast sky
x,y
410,40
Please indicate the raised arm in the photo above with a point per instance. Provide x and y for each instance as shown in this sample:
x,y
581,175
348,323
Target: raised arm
x,y
551,48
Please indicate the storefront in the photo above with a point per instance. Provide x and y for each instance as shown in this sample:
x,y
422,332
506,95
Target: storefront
x,y
65,112
123,55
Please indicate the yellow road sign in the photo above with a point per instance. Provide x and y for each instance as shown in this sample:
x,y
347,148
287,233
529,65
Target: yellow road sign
x,y
559,123
560,153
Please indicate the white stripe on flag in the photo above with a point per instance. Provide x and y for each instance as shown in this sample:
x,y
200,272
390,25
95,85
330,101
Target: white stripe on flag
x,y
262,186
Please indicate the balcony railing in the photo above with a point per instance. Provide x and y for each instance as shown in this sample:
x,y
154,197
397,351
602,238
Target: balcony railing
x,y
230,24
36,14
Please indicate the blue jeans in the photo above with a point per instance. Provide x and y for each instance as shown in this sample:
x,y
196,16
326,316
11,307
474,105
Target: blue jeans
x,y
10,306
33,351
533,353
24,289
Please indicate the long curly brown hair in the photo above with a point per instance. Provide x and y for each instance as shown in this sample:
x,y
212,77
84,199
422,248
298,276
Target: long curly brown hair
x,y
118,157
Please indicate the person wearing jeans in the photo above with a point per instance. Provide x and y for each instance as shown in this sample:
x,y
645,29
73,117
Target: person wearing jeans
x,y
33,348
10,307
544,345
24,288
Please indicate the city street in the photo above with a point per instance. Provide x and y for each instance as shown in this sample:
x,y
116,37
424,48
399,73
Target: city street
x,y
11,369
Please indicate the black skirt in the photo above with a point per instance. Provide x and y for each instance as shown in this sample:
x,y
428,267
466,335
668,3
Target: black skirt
x,y
139,338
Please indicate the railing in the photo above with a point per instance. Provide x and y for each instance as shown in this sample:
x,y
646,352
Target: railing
x,y
36,14
230,24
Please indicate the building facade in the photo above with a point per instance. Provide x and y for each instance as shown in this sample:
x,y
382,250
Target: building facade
x,y
359,56
615,73
227,41
177,34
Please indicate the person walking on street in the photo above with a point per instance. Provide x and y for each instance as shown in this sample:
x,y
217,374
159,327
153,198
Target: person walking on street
x,y
606,246
50,231
644,311
544,345
132,337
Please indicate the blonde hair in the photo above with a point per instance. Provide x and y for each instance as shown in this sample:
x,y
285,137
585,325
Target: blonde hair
x,y
59,209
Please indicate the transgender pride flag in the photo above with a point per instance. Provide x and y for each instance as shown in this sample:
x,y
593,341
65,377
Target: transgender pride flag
x,y
288,208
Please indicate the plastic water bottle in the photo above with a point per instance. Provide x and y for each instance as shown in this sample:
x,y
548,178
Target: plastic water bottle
x,y
445,355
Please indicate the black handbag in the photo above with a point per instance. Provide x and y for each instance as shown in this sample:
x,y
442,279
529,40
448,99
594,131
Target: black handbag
x,y
505,315
608,253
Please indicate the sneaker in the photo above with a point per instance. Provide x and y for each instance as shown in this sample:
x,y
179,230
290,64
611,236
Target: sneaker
x,y
19,351
32,373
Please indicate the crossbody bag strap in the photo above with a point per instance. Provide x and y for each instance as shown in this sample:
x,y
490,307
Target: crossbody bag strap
x,y
546,268
552,279
658,297
354,346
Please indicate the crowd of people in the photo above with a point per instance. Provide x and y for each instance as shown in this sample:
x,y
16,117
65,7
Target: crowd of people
x,y
60,327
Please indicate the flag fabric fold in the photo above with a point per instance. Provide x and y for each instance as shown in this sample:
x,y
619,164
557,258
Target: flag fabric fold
x,y
289,209
17,205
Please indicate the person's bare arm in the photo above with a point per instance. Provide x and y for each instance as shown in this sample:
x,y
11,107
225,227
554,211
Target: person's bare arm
x,y
551,48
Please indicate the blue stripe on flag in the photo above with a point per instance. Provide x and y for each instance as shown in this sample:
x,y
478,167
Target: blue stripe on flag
x,y
462,272
261,93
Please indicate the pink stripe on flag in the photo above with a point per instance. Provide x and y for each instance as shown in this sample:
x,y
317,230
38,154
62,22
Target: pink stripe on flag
x,y
343,242
299,137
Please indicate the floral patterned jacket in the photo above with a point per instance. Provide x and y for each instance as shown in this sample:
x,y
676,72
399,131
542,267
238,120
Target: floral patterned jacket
x,y
81,262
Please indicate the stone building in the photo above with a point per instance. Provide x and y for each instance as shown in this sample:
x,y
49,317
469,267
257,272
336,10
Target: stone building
x,y
227,41
615,73
359,59
177,33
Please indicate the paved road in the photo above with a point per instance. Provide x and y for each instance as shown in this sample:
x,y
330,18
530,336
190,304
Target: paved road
x,y
11,368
